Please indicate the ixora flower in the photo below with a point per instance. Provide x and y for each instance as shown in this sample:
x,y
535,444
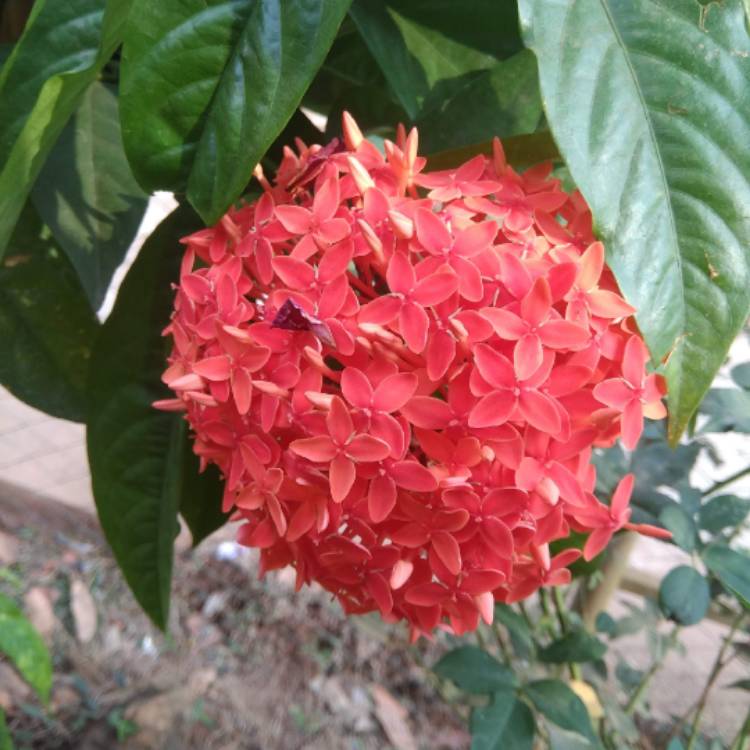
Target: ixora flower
x,y
402,376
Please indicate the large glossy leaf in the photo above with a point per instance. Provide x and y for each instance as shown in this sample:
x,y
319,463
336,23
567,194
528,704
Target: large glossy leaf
x,y
684,595
207,86
502,100
87,194
475,671
47,328
505,724
420,44
137,453
25,648
648,101
63,47
200,503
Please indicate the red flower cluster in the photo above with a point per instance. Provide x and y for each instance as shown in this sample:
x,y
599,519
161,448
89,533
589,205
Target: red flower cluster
x,y
401,376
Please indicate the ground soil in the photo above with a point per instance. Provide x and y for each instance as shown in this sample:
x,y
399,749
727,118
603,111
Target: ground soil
x,y
245,663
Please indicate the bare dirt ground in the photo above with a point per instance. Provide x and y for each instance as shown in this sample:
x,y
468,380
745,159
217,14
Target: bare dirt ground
x,y
246,664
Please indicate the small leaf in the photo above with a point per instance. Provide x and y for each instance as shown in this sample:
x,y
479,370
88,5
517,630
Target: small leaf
x,y
520,634
63,47
47,328
560,705
520,150
206,88
728,410
653,134
421,43
676,519
723,511
475,671
741,375
732,569
136,453
87,194
25,648
505,724
500,101
740,685
606,624
684,595
575,646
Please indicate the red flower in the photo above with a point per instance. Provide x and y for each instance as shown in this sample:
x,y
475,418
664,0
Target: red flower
x,y
635,394
402,388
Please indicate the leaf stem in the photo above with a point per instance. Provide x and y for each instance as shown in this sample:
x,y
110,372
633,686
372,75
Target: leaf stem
x,y
724,482
635,699
719,664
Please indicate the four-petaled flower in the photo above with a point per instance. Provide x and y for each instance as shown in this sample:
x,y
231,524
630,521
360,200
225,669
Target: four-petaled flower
x,y
401,377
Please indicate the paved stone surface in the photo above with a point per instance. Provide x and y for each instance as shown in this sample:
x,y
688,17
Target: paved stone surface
x,y
43,454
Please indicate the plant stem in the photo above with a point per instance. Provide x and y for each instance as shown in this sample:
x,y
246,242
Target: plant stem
x,y
481,639
635,699
724,482
562,619
719,664
544,601
525,615
559,602
742,740
502,644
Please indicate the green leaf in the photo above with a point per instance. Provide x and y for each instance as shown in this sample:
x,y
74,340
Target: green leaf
x,y
728,410
202,494
47,328
520,634
741,375
740,685
676,519
575,646
606,624
648,103
732,569
505,724
420,43
521,151
723,511
87,194
502,100
206,87
63,47
25,648
684,595
6,741
560,705
137,453
475,671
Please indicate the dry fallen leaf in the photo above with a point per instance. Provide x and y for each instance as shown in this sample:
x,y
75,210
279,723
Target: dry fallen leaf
x,y
392,717
8,549
39,610
83,609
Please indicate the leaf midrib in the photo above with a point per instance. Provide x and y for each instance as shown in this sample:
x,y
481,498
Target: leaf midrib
x,y
674,245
